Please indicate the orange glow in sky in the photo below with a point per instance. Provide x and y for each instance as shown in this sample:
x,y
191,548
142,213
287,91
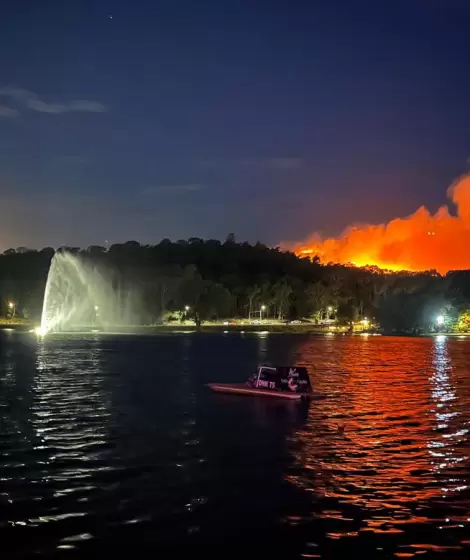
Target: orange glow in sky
x,y
422,241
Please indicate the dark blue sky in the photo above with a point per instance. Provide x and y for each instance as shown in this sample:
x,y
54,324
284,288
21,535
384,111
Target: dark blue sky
x,y
179,118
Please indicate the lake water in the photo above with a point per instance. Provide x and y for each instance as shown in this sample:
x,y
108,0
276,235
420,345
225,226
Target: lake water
x,y
113,442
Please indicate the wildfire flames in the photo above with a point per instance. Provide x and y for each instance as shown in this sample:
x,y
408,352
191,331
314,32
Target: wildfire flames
x,y
419,242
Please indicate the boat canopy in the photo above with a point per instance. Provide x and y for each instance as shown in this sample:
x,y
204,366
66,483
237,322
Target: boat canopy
x,y
284,378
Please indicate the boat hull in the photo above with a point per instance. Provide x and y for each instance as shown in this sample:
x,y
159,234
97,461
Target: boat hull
x,y
242,389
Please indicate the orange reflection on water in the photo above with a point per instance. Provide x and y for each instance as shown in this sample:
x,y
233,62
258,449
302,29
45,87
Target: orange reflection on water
x,y
401,467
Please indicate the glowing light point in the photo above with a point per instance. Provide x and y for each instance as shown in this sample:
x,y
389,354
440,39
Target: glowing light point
x,y
40,331
440,319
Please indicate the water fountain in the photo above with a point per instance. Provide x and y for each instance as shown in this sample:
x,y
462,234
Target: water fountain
x,y
79,295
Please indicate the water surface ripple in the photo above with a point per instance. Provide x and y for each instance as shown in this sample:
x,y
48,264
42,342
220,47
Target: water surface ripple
x,y
114,441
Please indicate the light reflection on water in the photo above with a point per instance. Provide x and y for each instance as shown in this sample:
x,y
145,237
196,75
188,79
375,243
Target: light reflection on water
x,y
110,440
401,469
58,433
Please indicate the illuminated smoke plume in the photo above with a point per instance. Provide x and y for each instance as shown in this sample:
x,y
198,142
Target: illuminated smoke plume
x,y
419,242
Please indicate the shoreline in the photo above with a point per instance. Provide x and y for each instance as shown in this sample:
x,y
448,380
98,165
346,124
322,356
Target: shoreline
x,y
306,329
191,327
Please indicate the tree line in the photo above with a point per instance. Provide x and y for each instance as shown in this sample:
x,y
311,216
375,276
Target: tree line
x,y
210,279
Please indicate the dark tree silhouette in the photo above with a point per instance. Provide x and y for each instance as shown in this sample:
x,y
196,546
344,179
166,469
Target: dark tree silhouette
x,y
232,279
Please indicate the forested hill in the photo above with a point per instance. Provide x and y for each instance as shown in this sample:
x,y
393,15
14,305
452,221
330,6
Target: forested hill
x,y
230,279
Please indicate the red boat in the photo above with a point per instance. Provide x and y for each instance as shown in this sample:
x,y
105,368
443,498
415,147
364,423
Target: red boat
x,y
286,382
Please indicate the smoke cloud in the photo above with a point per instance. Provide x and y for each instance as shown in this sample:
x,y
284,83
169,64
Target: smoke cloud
x,y
422,241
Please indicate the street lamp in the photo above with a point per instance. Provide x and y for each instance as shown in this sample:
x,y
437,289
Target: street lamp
x,y
97,308
440,319
330,309
187,308
11,305
262,308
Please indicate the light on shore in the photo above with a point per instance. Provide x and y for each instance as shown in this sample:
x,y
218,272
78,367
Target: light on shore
x,y
40,331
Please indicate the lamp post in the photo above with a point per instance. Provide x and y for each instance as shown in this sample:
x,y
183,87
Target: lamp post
x,y
262,308
11,307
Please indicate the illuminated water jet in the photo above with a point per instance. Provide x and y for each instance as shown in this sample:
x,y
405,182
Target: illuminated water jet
x,y
79,295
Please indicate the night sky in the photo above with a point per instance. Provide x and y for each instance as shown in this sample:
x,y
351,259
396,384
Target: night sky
x,y
183,118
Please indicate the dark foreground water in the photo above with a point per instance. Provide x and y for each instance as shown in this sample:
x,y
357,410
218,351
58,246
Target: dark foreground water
x,y
112,445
